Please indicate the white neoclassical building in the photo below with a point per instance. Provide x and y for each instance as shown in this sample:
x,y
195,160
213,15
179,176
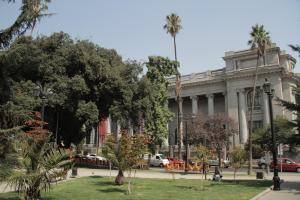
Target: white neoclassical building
x,y
227,90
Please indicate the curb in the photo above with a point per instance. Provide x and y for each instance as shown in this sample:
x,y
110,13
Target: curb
x,y
256,197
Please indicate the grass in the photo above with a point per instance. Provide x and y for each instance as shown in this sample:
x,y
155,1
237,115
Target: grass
x,y
96,187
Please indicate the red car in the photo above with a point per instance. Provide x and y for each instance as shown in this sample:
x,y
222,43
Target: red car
x,y
175,161
287,165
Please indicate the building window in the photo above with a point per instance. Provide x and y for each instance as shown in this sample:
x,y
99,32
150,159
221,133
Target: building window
x,y
256,124
257,99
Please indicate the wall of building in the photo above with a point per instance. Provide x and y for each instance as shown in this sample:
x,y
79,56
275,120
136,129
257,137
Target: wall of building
x,y
227,88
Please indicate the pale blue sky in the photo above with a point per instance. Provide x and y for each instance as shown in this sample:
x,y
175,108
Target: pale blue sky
x,y
135,27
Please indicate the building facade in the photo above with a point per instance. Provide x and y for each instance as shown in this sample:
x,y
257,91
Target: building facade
x,y
228,90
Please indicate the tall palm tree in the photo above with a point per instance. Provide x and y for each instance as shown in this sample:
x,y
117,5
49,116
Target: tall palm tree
x,y
260,40
173,26
31,12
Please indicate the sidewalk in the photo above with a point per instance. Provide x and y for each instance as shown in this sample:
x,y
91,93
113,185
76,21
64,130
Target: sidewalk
x,y
290,190
159,174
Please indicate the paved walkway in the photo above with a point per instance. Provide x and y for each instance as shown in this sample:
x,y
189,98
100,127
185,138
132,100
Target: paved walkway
x,y
159,173
290,190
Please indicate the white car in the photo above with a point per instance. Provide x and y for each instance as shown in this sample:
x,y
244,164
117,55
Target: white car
x,y
95,157
158,160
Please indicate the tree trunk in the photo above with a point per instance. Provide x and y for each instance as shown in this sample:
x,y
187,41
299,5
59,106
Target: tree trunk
x,y
251,117
171,152
234,173
157,149
120,178
219,157
129,182
32,194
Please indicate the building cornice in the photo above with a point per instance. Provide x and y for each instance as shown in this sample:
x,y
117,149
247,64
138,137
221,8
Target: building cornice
x,y
246,53
250,72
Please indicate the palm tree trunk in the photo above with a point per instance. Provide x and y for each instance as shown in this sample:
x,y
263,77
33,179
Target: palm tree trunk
x,y
174,41
179,111
250,168
120,178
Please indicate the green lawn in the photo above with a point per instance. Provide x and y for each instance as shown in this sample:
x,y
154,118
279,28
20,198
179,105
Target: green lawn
x,y
90,188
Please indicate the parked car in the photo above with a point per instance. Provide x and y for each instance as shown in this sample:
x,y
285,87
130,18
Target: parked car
x,y
158,160
287,165
175,161
95,157
263,162
215,162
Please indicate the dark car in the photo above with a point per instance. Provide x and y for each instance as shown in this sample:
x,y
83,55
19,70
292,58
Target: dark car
x,y
287,165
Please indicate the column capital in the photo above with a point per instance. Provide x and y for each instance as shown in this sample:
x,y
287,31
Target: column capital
x,y
210,95
241,90
180,99
194,97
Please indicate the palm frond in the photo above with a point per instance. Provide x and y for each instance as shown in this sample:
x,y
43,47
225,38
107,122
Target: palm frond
x,y
289,105
31,12
295,48
11,130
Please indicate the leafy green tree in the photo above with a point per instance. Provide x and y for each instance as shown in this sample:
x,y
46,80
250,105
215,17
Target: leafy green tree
x,y
158,116
260,40
238,158
31,12
88,83
173,26
284,134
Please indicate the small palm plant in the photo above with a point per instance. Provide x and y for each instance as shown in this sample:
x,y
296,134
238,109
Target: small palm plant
x,y
125,153
40,164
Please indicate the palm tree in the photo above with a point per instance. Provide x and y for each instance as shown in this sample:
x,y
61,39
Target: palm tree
x,y
39,163
173,26
31,12
260,40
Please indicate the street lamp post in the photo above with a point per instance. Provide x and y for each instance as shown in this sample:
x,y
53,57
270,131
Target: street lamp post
x,y
43,93
268,91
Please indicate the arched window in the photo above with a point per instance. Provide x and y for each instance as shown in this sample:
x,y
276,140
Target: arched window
x,y
257,99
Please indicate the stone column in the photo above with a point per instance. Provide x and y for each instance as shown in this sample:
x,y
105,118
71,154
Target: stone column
x,y
108,124
130,128
194,105
93,136
210,99
225,103
266,109
232,110
276,84
243,118
118,130
226,114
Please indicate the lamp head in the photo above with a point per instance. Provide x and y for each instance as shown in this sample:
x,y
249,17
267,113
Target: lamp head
x,y
267,87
